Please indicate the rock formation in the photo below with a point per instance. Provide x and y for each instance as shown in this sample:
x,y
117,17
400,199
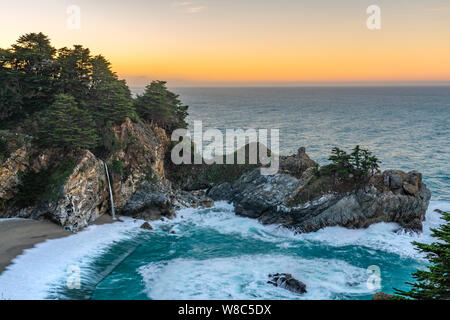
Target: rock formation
x,y
139,182
286,281
296,199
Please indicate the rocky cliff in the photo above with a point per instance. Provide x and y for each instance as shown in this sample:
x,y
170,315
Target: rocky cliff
x,y
296,199
71,189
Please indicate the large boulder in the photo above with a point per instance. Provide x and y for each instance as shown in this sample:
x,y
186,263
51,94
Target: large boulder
x,y
149,203
296,165
81,199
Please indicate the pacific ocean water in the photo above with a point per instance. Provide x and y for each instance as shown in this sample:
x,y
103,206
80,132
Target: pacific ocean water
x,y
217,255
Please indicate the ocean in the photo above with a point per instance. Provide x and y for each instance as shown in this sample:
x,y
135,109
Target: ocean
x,y
215,254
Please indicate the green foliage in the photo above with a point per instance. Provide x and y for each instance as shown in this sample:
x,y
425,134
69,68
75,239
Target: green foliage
x,y
111,101
66,125
33,75
360,163
162,107
117,167
434,283
316,171
36,81
4,150
109,141
73,70
100,184
26,77
43,185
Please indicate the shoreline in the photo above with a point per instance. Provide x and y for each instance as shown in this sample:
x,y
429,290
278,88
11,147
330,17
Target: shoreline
x,y
17,235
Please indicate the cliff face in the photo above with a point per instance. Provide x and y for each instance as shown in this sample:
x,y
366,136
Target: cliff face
x,y
77,194
9,173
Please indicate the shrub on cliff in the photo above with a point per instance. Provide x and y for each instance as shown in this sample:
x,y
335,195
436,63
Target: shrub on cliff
x,y
43,185
434,283
161,106
360,163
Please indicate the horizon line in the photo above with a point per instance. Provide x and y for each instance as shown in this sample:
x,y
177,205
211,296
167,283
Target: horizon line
x,y
178,84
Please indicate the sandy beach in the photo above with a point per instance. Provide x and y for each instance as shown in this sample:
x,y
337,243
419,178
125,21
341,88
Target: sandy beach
x,y
16,235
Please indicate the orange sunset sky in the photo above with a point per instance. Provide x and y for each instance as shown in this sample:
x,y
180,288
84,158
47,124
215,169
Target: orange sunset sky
x,y
255,42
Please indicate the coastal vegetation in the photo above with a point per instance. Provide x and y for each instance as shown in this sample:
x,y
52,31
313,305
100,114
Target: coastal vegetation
x,y
43,185
433,283
359,164
344,173
69,98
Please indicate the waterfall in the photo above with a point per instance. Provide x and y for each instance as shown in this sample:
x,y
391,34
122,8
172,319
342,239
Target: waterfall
x,y
111,197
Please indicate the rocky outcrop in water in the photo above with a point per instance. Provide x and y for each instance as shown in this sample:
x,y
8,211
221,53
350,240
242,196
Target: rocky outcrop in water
x,y
288,282
296,199
149,203
76,193
146,226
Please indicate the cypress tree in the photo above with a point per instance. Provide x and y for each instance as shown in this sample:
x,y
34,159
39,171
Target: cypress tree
x,y
65,125
433,283
162,107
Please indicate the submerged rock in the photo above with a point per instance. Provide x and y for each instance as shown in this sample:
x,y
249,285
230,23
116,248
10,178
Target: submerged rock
x,y
207,202
286,281
146,226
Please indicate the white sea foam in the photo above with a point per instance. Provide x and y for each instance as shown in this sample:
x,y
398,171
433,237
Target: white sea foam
x,y
380,236
245,277
34,273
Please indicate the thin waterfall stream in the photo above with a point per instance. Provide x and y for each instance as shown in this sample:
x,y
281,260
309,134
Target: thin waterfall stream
x,y
111,197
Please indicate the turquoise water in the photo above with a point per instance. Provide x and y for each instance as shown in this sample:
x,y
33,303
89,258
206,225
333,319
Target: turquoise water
x,y
215,254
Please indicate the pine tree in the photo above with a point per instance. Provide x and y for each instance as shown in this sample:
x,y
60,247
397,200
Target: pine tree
x,y
162,107
26,76
73,72
111,101
434,283
63,124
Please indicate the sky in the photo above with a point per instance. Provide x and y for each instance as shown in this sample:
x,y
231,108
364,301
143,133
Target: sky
x,y
248,42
